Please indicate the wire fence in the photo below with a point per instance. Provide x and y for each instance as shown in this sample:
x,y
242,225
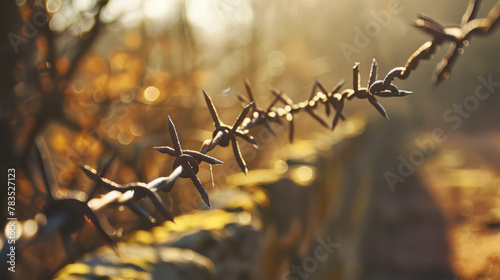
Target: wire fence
x,y
67,214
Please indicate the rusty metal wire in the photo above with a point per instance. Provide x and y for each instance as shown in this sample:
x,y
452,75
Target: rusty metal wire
x,y
68,214
332,100
458,36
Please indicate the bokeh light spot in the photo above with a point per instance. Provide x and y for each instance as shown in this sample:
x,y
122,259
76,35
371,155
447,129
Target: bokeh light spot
x,y
303,175
13,230
53,5
124,138
280,166
245,217
30,228
151,94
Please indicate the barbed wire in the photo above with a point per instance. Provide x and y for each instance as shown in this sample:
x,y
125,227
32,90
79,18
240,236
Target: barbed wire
x,y
458,36
67,214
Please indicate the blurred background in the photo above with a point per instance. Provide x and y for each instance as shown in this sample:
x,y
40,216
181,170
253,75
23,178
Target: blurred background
x,y
414,197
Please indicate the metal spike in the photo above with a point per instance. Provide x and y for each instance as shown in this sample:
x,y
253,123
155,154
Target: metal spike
x,y
199,186
174,137
241,117
355,77
211,108
378,106
203,157
291,132
338,113
250,93
238,156
46,170
166,150
140,212
373,73
158,203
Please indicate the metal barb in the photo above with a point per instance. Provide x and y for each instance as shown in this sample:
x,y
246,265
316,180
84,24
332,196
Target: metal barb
x,y
227,134
66,215
457,36
188,159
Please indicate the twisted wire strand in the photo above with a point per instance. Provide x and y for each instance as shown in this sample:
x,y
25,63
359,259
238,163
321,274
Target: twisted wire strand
x,y
186,163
